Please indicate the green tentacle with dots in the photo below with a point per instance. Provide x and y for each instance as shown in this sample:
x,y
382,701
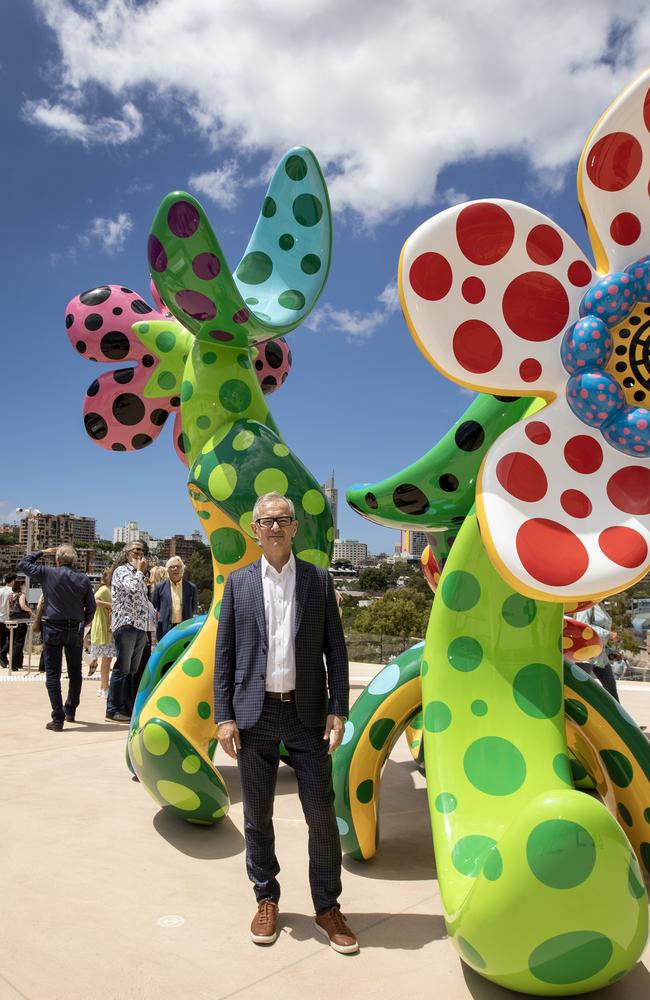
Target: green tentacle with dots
x,y
232,445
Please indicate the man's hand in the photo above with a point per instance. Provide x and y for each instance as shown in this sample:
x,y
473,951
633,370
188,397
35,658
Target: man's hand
x,y
228,737
333,731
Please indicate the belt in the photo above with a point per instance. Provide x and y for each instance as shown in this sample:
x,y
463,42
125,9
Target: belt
x,y
62,621
281,695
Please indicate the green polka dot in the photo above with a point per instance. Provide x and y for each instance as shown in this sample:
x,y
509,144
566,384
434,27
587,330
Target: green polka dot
x,y
216,610
635,880
280,450
424,669
329,534
235,396
365,791
243,361
291,298
184,442
204,709
618,767
313,502
624,813
165,341
228,545
460,590
197,471
310,263
255,268
518,611
252,301
219,813
135,751
315,557
191,764
220,579
561,854
494,766
562,767
246,523
470,954
538,691
576,711
493,867
470,853
286,241
186,391
166,380
169,706
479,707
437,717
307,210
203,422
445,802
209,358
644,851
222,481
271,481
646,815
204,515
296,168
380,731
193,667
243,440
465,653
269,208
156,739
570,958
178,795
578,772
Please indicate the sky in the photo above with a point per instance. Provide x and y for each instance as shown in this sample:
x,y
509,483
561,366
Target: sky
x,y
108,105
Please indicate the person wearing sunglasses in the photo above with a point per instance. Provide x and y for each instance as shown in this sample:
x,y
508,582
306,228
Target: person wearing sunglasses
x,y
281,675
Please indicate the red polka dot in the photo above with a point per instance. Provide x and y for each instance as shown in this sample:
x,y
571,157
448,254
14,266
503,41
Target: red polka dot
x,y
646,111
576,503
522,477
477,346
537,432
614,161
551,553
625,229
583,454
579,273
544,245
624,546
530,370
484,232
473,290
430,276
629,489
535,306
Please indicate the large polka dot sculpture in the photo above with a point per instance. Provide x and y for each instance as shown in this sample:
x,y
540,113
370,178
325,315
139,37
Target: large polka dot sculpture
x,y
541,885
210,354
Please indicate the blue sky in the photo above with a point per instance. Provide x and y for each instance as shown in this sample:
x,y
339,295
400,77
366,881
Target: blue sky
x,y
107,106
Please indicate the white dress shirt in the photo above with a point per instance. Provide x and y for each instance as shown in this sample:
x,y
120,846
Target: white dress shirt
x,y
279,612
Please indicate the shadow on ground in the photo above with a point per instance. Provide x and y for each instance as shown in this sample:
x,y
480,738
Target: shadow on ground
x,y
206,843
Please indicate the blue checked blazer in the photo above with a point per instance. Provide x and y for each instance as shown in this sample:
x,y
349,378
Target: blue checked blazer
x,y
322,683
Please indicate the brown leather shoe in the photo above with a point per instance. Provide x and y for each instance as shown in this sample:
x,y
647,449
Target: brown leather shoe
x,y
265,922
332,924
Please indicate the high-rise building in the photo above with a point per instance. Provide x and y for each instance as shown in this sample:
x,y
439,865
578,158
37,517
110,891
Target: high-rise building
x,y
349,550
332,494
180,545
50,530
130,532
412,543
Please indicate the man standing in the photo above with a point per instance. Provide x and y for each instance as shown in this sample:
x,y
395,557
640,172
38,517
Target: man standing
x,y
69,605
5,594
175,599
278,620
129,624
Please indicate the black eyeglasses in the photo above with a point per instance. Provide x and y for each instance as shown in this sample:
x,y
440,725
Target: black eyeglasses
x,y
282,522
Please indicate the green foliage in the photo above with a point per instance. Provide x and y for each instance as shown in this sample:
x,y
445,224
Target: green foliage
x,y
375,579
199,571
403,612
7,538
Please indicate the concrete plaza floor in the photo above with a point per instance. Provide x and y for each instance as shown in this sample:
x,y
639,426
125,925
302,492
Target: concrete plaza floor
x,y
104,897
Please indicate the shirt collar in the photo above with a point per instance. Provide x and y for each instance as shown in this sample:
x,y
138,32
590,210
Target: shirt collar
x,y
288,568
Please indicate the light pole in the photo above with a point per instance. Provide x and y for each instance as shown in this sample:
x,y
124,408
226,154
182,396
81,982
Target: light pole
x,y
28,513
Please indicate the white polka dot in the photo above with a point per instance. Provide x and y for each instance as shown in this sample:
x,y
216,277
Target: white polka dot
x,y
385,681
342,825
348,732
579,673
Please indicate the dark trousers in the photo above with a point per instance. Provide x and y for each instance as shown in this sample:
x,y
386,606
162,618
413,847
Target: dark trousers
x,y
20,633
129,644
57,637
605,675
258,761
4,644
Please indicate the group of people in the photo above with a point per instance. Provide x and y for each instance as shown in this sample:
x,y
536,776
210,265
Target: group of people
x,y
120,618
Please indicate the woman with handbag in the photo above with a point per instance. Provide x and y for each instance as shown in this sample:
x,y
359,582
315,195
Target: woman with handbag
x,y
19,612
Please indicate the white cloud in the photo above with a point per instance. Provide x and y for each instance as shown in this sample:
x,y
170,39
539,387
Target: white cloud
x,y
111,234
65,122
219,185
386,94
358,326
450,196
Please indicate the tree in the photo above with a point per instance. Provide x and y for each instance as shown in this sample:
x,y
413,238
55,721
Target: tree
x,y
376,579
199,571
402,612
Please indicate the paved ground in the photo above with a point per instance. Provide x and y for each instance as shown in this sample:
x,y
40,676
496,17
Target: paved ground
x,y
103,897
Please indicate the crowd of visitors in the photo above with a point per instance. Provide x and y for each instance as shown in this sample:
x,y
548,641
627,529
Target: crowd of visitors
x,y
130,610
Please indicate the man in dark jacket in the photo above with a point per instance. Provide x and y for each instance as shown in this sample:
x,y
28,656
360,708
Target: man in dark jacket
x,y
175,599
281,675
69,606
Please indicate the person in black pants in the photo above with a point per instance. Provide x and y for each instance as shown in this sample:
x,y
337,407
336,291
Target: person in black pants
x,y
69,606
19,614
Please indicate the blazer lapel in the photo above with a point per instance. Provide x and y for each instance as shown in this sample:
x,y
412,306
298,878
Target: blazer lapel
x,y
303,582
255,571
